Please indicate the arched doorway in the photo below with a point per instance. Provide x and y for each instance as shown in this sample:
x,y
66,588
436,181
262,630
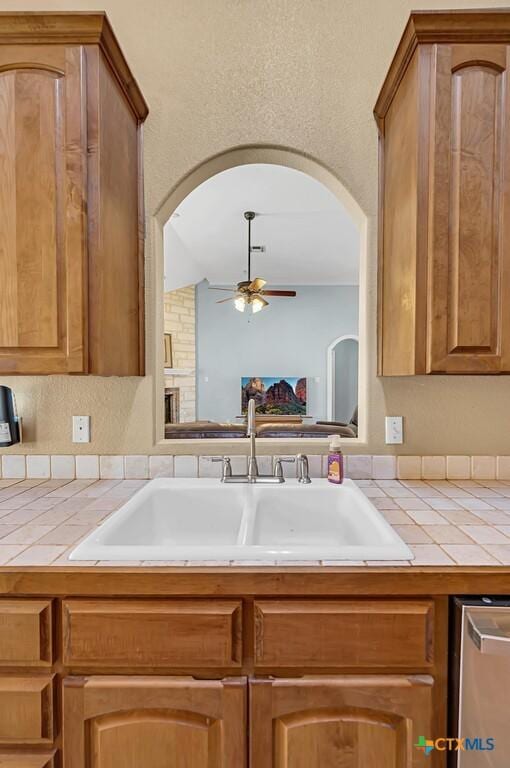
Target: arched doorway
x,y
231,159
342,372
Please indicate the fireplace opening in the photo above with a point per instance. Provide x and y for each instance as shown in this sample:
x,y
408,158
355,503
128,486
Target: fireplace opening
x,y
171,405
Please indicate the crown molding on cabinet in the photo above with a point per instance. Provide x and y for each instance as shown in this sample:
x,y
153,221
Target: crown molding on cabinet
x,y
462,26
81,28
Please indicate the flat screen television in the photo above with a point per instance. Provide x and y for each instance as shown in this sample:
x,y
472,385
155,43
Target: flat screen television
x,y
275,395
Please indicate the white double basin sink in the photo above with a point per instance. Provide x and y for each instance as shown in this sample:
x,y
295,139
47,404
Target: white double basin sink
x,y
200,519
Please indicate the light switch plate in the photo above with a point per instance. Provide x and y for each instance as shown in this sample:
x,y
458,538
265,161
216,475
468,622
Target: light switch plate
x,y
394,430
81,429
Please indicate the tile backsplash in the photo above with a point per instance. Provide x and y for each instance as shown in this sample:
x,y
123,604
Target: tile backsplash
x,y
358,467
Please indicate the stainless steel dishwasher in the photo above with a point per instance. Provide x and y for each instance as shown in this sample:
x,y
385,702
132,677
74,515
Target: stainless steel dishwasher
x,y
480,683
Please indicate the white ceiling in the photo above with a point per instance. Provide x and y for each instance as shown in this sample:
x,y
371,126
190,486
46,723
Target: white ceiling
x,y
309,237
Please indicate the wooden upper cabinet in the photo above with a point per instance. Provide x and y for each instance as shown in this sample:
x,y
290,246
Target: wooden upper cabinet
x,y
154,722
42,234
340,721
469,256
71,234
444,245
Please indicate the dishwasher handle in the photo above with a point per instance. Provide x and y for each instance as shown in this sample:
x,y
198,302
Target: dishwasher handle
x,y
488,637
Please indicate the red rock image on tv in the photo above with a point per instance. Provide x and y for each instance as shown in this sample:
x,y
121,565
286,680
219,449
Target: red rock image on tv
x,y
273,395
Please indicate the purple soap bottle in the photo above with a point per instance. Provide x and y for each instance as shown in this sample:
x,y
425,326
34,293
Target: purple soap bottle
x,y
335,461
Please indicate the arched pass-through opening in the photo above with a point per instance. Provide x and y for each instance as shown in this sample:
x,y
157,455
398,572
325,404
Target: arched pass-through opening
x,y
342,378
216,164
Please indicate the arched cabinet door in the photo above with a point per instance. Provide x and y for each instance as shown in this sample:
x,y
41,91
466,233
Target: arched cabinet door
x,y
469,220
43,150
154,722
351,721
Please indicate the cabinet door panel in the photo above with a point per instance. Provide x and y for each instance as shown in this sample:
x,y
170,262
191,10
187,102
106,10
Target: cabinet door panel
x,y
365,633
350,721
42,241
154,722
26,710
152,633
25,633
27,760
469,324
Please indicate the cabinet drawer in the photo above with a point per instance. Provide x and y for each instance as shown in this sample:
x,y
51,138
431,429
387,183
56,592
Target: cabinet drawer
x,y
341,634
25,633
152,633
26,710
27,760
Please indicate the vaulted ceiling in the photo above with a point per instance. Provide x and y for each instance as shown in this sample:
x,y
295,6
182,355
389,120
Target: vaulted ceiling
x,y
308,235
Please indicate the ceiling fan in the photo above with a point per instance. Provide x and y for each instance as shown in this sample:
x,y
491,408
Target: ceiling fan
x,y
251,292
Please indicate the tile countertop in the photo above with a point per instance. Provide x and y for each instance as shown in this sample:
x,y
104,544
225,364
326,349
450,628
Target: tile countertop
x,y
462,523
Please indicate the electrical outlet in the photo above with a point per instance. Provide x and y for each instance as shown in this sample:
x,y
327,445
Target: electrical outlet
x,y
394,430
81,429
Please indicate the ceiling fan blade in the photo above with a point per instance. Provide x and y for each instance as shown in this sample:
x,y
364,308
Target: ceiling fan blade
x,y
230,298
278,293
256,284
212,288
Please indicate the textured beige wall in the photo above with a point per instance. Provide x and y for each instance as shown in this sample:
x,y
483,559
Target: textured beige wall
x,y
297,73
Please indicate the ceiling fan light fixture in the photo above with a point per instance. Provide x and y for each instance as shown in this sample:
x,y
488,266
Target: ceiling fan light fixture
x,y
240,303
250,291
258,303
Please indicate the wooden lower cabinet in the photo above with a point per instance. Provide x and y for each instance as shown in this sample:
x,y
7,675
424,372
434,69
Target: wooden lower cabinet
x,y
119,683
26,710
359,634
26,760
154,722
26,633
350,721
354,721
152,633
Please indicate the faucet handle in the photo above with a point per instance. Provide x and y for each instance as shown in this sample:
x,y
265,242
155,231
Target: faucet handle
x,y
227,466
278,469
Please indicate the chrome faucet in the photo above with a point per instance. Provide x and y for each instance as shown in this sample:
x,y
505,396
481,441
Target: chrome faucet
x,y
253,475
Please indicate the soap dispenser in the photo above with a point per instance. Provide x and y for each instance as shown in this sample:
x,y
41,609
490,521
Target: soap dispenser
x,y
335,461
9,421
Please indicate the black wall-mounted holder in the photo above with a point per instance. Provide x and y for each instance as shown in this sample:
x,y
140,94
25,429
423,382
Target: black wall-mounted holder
x,y
10,423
